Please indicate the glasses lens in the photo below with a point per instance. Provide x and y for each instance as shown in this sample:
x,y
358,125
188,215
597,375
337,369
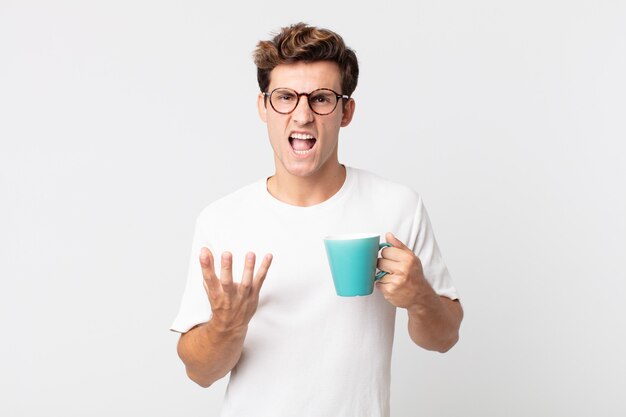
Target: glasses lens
x,y
323,101
283,100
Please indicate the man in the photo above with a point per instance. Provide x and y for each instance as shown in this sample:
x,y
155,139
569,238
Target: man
x,y
293,347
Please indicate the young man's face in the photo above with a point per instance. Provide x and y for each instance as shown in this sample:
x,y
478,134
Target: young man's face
x,y
305,143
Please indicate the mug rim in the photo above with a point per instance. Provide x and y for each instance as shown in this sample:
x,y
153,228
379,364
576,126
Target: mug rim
x,y
352,236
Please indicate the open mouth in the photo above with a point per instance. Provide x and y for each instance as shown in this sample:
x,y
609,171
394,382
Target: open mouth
x,y
302,143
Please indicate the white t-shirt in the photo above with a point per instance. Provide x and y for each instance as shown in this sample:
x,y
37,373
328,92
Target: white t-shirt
x,y
309,352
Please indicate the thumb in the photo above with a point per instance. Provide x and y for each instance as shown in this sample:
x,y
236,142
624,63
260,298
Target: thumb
x,y
395,242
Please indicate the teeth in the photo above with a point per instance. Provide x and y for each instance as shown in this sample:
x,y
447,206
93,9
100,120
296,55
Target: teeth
x,y
302,152
302,136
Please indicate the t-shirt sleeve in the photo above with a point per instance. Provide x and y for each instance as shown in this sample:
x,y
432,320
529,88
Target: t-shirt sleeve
x,y
194,307
425,247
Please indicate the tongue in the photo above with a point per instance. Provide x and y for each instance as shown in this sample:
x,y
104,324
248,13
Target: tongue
x,y
302,144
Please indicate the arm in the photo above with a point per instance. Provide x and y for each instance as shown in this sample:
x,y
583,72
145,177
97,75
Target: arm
x,y
434,321
210,350
209,353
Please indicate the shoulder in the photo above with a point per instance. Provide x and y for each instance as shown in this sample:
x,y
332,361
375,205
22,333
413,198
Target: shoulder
x,y
239,200
382,188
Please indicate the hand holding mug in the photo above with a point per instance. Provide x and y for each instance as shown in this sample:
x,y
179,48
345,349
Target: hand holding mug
x,y
405,281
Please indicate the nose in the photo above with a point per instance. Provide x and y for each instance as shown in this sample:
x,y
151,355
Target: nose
x,y
302,114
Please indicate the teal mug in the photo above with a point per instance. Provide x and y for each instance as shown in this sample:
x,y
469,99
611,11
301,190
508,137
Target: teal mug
x,y
352,259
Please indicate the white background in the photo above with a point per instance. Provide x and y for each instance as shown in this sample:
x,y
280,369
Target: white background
x,y
121,120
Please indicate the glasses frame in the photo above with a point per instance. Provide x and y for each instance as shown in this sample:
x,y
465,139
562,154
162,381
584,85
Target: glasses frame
x,y
268,96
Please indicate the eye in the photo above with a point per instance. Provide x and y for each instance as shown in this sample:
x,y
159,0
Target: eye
x,y
284,96
322,98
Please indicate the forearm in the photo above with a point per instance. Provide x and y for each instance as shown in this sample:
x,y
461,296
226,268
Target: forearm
x,y
210,352
434,322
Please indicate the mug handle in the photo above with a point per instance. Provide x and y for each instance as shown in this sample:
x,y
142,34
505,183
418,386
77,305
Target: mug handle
x,y
381,273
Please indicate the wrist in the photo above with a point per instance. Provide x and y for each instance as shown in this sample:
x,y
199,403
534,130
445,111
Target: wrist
x,y
423,303
224,329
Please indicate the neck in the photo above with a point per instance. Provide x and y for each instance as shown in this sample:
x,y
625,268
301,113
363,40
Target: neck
x,y
307,191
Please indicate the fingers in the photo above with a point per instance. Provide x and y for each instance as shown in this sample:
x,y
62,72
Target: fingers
x,y
226,271
397,243
261,273
208,268
248,272
398,251
248,281
393,254
387,265
390,267
225,281
384,280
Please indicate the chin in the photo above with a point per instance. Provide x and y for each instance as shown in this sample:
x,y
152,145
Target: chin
x,y
301,170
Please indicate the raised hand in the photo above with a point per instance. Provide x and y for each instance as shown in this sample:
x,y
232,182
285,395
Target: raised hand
x,y
232,303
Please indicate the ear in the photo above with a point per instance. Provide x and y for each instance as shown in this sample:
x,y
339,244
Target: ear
x,y
348,112
261,107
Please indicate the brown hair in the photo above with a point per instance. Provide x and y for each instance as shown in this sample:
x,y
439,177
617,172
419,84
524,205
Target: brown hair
x,y
301,42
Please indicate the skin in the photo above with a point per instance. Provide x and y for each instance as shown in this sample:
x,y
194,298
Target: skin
x,y
310,180
434,321
210,350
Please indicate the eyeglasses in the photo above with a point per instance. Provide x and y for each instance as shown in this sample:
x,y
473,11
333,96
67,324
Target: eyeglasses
x,y
322,101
